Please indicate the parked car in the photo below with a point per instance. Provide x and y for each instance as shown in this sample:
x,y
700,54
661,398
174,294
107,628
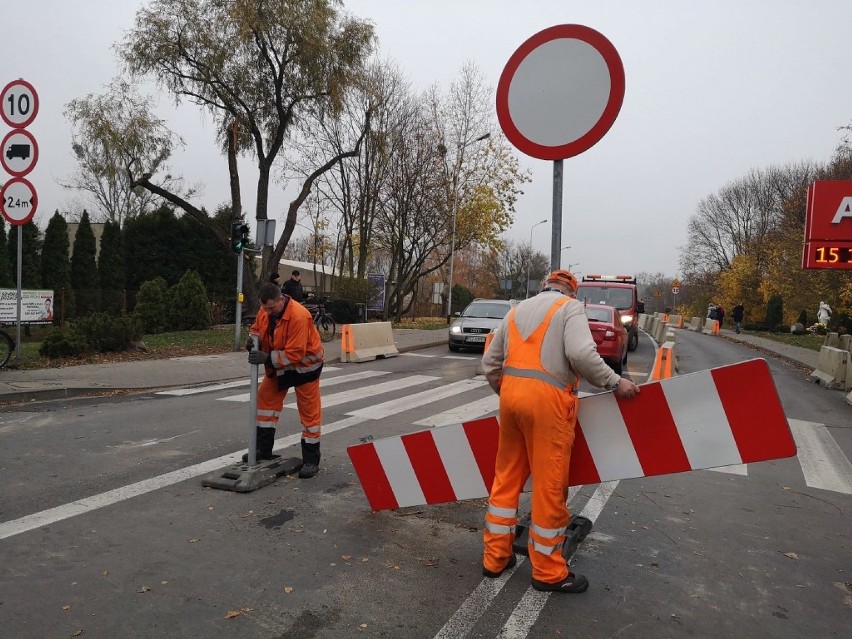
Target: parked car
x,y
479,318
609,334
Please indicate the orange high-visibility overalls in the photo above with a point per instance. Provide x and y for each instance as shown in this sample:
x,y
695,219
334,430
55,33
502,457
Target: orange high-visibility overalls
x,y
296,350
538,413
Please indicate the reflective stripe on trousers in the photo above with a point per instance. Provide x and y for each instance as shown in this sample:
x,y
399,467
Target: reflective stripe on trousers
x,y
270,401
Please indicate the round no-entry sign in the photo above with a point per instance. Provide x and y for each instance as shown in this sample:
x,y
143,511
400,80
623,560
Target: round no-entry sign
x,y
19,201
560,92
19,104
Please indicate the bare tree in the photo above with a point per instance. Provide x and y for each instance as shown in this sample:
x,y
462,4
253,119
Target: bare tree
x,y
263,69
112,132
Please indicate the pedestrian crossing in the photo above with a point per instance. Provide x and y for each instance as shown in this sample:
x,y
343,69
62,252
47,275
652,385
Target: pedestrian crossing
x,y
822,462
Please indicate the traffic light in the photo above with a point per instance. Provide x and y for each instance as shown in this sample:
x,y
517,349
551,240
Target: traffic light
x,y
239,235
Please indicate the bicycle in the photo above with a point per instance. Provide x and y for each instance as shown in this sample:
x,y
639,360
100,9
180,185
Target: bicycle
x,y
323,320
7,345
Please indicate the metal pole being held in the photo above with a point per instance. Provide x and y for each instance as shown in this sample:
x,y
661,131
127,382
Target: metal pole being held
x,y
252,447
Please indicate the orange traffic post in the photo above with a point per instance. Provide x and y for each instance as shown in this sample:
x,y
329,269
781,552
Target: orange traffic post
x,y
716,327
346,345
662,364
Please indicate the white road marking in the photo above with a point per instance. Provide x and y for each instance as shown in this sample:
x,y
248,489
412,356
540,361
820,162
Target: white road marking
x,y
391,407
465,618
90,504
823,463
415,355
735,469
460,414
356,394
526,613
324,383
209,388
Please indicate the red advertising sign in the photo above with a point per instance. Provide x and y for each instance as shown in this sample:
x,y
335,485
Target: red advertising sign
x,y
828,226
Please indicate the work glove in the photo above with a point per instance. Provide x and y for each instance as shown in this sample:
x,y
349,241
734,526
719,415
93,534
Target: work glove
x,y
250,343
259,358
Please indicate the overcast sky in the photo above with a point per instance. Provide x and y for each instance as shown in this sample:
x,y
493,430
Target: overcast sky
x,y
713,89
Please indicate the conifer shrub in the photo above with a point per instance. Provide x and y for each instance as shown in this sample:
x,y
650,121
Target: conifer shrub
x,y
187,305
151,305
60,343
104,332
775,312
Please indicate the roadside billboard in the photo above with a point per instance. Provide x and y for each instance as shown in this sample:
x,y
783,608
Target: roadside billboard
x,y
36,306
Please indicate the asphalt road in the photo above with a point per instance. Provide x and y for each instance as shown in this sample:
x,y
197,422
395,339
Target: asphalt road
x,y
106,531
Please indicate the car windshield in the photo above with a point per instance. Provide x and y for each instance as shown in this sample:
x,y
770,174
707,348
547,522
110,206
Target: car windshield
x,y
599,315
490,310
621,298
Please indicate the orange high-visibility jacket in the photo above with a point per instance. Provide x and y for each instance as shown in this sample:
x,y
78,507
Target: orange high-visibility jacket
x,y
294,346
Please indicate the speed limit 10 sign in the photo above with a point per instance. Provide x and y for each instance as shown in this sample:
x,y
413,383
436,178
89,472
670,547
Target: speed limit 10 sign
x,y
19,104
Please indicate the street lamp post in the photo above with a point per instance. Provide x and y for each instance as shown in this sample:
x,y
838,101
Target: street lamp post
x,y
485,136
529,258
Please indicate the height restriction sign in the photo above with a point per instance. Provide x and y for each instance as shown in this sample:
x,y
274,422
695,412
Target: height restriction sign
x,y
19,201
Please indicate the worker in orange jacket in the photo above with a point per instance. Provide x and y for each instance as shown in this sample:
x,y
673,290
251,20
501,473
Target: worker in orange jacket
x,y
292,354
534,362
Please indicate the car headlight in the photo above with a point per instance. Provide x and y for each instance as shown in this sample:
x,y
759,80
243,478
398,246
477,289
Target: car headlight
x,y
626,319
455,330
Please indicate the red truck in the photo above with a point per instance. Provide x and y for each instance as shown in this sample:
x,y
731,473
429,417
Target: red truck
x,y
618,291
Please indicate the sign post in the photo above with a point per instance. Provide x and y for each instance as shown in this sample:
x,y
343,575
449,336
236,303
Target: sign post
x,y
675,291
558,95
18,198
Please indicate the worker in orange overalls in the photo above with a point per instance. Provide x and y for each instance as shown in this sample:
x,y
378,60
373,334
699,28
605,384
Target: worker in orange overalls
x,y
292,354
535,362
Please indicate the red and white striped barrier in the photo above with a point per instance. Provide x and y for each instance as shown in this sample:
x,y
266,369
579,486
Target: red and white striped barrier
x,y
719,417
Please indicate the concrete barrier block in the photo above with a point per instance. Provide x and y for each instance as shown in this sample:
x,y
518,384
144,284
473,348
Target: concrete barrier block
x,y
831,367
665,364
676,321
369,341
831,339
711,327
670,335
695,324
845,342
660,335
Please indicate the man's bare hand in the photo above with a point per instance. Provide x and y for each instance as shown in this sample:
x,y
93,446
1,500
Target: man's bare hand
x,y
626,389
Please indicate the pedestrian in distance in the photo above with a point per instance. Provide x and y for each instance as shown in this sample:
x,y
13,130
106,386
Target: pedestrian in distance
x,y
275,278
720,315
293,287
711,311
737,315
291,353
534,363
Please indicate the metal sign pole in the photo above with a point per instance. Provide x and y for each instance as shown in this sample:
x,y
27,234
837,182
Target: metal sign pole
x,y
556,240
20,261
252,447
238,316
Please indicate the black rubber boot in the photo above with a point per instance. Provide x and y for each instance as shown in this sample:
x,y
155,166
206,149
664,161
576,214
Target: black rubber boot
x,y
310,460
265,442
